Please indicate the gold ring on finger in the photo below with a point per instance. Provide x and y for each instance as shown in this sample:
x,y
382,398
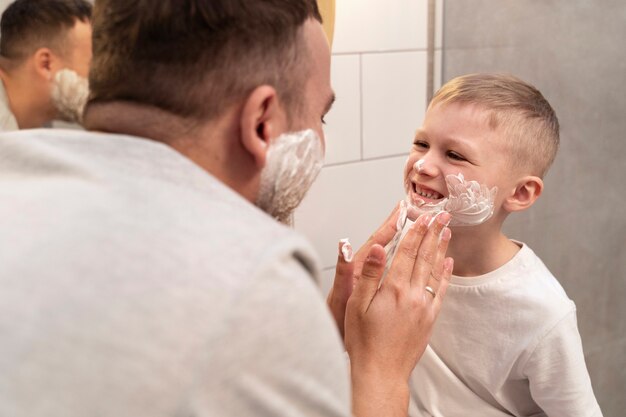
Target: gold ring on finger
x,y
430,291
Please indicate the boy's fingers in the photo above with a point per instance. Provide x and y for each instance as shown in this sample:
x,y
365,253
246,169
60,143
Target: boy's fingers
x,y
369,279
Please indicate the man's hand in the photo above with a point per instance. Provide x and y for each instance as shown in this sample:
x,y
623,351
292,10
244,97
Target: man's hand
x,y
387,328
346,273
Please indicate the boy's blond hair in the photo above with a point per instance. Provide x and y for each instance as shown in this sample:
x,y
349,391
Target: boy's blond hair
x,y
527,120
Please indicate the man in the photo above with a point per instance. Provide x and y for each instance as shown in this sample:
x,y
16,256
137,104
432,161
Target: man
x,y
139,276
45,50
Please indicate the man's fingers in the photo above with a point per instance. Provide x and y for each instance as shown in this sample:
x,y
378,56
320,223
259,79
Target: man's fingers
x,y
448,266
369,279
404,260
436,274
344,270
342,285
431,252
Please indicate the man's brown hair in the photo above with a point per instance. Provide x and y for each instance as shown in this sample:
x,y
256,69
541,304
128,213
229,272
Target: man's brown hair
x,y
527,120
194,57
28,25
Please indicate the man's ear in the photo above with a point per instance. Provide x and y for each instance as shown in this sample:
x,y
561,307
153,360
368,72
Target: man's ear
x,y
262,119
526,192
44,61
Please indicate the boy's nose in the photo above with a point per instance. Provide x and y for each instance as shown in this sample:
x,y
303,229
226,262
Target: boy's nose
x,y
424,167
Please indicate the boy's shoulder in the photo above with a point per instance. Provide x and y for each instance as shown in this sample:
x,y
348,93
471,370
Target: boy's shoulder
x,y
532,285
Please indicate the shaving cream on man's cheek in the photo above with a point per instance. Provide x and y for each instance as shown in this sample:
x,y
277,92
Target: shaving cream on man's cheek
x,y
292,163
69,94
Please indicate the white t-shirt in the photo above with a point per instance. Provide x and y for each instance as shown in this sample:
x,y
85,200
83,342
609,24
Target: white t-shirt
x,y
505,343
7,119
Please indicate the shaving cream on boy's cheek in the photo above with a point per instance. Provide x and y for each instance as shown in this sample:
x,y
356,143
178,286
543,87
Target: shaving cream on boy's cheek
x,y
293,162
69,94
469,202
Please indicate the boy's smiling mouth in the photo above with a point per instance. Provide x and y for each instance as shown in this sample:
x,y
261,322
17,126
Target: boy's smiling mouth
x,y
425,194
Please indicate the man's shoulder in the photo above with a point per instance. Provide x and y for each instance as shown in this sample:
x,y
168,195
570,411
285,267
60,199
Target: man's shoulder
x,y
134,194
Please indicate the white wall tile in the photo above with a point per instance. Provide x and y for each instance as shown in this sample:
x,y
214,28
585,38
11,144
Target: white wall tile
x,y
394,101
349,200
374,25
343,122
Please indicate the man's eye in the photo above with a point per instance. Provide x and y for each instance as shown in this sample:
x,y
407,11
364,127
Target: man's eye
x,y
420,144
323,119
456,156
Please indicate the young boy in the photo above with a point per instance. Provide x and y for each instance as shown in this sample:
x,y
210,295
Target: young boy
x,y
506,342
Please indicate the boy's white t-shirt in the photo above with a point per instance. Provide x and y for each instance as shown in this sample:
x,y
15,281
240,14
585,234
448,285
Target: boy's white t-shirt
x,y
505,343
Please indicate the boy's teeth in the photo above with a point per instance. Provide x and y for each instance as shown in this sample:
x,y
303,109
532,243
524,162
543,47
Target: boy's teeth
x,y
427,195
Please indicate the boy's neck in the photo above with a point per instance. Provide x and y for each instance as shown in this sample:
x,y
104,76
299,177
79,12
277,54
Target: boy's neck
x,y
478,252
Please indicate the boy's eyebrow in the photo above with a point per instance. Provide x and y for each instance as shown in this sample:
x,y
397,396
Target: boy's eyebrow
x,y
466,145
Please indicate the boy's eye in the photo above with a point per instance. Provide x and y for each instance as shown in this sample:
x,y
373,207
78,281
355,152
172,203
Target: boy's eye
x,y
420,144
323,119
456,156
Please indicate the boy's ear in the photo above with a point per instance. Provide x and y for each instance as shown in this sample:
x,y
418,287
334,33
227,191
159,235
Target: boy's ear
x,y
262,119
526,192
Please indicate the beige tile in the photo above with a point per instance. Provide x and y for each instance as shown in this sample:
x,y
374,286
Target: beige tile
x,y
343,122
374,25
349,201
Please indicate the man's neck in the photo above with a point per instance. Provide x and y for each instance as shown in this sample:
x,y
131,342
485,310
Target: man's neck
x,y
210,145
479,250
29,111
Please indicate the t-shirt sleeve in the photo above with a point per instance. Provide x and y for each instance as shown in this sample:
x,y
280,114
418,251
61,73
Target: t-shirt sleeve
x,y
284,355
557,374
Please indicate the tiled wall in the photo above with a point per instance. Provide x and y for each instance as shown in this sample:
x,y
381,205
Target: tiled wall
x,y
379,73
573,52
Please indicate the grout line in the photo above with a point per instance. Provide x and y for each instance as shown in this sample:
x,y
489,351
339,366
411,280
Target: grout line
x,y
430,66
371,159
361,104
443,40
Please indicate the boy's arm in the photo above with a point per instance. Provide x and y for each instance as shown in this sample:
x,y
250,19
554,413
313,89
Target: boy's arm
x,y
556,370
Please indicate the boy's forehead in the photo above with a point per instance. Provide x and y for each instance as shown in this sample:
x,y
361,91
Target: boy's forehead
x,y
459,116
464,124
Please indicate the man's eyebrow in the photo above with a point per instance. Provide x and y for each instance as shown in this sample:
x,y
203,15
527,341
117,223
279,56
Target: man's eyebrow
x,y
330,102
